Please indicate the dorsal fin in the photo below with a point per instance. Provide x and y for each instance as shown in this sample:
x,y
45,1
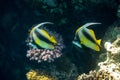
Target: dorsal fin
x,y
89,24
41,24
85,25
37,26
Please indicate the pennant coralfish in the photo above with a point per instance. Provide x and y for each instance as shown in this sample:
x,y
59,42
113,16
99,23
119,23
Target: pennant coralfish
x,y
86,37
41,37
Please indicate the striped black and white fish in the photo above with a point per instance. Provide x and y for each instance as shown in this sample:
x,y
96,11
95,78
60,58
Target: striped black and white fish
x,y
86,37
42,38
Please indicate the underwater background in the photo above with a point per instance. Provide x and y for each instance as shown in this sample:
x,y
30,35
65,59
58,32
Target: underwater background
x,y
17,17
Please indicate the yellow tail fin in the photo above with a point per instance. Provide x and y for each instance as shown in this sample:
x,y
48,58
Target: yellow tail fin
x,y
53,39
99,41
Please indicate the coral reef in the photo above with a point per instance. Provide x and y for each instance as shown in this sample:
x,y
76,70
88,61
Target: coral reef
x,y
60,69
96,75
110,68
35,75
112,63
43,54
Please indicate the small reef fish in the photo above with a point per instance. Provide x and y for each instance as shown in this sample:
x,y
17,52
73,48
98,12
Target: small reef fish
x,y
86,37
42,38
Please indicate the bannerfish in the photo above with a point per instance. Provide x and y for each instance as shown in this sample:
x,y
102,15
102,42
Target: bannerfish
x,y
86,37
42,38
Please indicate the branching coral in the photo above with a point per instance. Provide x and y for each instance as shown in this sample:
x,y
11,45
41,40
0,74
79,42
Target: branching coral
x,y
43,54
110,68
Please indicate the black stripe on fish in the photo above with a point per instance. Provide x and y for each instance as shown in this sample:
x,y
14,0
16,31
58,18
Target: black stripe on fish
x,y
41,37
87,35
